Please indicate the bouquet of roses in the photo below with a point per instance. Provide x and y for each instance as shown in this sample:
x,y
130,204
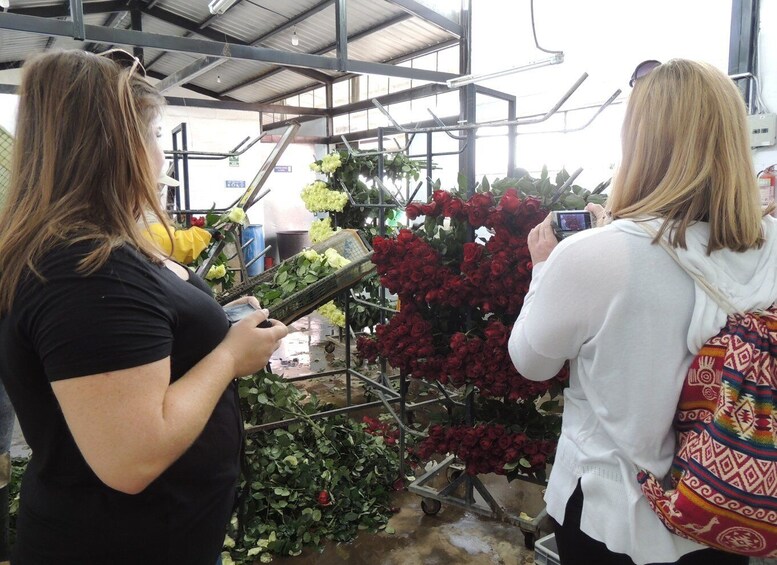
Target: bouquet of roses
x,y
459,300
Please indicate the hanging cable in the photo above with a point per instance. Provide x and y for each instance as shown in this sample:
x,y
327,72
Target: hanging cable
x,y
534,33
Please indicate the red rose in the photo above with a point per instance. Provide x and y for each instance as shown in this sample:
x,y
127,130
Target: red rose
x,y
531,204
498,267
198,221
412,211
481,200
473,252
477,217
510,201
441,197
323,498
454,208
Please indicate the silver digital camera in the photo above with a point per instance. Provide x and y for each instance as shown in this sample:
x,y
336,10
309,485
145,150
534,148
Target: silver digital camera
x,y
567,222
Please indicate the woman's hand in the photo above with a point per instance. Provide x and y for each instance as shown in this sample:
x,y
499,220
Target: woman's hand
x,y
599,213
542,240
252,300
249,346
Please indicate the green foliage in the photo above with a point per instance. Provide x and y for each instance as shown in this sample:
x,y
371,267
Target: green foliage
x,y
291,467
352,174
574,197
18,466
292,276
355,175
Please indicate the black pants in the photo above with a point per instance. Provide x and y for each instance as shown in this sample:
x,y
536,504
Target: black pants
x,y
576,548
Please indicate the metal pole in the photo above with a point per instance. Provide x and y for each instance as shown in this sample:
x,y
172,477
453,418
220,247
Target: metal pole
x,y
77,13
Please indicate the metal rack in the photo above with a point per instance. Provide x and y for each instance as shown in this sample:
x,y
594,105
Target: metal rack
x,y
251,196
462,482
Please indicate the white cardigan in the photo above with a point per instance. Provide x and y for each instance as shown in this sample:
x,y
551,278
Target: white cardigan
x,y
630,320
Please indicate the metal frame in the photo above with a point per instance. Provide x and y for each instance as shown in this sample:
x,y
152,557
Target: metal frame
x,y
743,44
99,34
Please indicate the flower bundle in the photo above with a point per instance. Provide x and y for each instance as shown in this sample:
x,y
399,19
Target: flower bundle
x,y
459,301
318,197
488,448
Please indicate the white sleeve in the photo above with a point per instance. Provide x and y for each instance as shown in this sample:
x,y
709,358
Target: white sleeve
x,y
561,311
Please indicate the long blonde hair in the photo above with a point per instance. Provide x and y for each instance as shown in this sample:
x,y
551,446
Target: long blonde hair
x,y
82,167
686,157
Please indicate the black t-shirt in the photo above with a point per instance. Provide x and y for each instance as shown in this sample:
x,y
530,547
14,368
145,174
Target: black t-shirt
x,y
129,313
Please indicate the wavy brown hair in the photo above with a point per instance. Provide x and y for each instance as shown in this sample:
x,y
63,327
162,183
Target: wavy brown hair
x,y
686,157
82,168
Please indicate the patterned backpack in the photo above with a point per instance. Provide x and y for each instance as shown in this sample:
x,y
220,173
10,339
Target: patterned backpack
x,y
724,472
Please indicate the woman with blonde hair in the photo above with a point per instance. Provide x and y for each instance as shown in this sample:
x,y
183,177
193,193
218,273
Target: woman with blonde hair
x,y
630,319
119,363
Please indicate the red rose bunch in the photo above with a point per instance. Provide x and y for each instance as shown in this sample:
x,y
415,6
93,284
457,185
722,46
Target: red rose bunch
x,y
487,448
410,267
448,287
407,343
485,363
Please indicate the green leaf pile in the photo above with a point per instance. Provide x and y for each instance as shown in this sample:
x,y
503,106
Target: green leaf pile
x,y
291,466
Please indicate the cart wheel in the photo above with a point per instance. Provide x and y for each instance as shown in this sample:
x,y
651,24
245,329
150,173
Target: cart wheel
x,y
430,506
453,474
329,347
528,540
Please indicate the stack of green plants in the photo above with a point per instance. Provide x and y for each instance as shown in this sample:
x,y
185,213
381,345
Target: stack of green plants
x,y
308,482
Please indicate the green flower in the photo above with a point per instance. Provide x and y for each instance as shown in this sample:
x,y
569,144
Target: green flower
x,y
237,215
216,272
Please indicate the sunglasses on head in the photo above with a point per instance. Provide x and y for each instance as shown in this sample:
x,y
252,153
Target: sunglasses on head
x,y
124,59
642,70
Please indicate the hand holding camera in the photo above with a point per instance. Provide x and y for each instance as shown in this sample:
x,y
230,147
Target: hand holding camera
x,y
236,312
568,222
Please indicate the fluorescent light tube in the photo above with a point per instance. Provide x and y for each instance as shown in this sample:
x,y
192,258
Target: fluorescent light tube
x,y
469,79
220,6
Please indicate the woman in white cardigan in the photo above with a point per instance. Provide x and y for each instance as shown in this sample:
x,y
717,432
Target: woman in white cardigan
x,y
630,319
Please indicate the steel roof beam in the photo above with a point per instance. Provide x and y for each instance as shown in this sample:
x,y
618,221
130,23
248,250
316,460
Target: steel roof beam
x,y
189,72
428,15
100,34
246,106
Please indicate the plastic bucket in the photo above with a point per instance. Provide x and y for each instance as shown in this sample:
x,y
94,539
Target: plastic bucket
x,y
255,235
292,242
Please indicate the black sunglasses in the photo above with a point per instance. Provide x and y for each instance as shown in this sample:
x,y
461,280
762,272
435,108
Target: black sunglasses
x,y
643,69
124,59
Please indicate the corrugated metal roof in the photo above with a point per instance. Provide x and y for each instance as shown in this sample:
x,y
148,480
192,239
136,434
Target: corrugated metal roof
x,y
196,11
395,41
173,62
248,20
276,85
232,72
16,45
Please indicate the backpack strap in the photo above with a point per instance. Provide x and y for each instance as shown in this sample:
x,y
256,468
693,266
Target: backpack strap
x,y
724,303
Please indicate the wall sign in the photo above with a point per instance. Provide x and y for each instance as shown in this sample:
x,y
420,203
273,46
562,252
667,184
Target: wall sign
x,y
282,169
234,184
234,161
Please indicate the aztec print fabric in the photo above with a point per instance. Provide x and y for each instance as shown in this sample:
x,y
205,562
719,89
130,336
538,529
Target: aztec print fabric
x,y
725,469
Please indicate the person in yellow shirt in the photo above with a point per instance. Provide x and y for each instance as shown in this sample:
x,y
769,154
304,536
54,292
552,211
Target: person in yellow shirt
x,y
186,244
